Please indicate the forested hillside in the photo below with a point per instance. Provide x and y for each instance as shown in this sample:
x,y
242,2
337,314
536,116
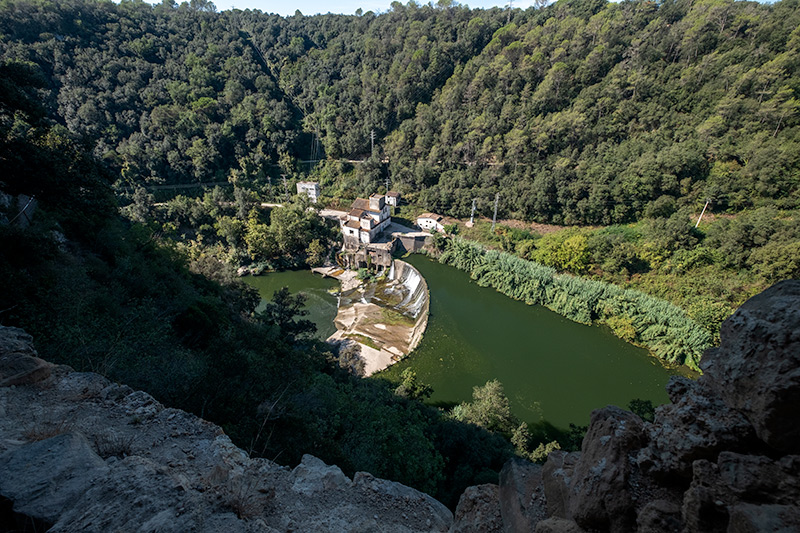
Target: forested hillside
x,y
598,113
584,112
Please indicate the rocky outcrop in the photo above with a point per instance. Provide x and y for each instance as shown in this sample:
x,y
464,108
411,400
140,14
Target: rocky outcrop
x,y
723,456
756,369
19,364
79,453
478,511
522,500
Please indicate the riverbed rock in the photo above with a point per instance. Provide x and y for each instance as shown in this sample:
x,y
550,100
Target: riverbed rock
x,y
478,511
756,368
522,497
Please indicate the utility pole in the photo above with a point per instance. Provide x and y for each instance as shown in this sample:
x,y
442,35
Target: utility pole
x,y
472,215
387,183
494,218
510,4
285,187
702,213
372,142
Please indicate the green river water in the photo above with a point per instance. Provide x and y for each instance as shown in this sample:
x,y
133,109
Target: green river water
x,y
320,304
553,370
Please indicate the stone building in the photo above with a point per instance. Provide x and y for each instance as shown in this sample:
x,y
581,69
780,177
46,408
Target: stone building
x,y
431,221
393,198
361,230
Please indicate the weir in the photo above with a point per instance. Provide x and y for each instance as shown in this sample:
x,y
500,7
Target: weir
x,y
386,318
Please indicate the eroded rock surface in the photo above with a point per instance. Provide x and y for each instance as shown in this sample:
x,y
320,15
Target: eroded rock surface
x,y
478,511
756,369
80,453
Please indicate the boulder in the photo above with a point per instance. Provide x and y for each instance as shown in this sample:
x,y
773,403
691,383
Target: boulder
x,y
760,479
557,525
751,518
46,477
19,362
742,489
313,475
659,516
706,502
556,478
756,368
440,518
600,496
697,425
522,499
137,494
478,511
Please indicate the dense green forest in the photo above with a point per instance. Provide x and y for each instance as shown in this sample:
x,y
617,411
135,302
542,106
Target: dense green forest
x,y
584,112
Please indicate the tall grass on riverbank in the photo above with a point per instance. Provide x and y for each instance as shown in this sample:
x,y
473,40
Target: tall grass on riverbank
x,y
658,325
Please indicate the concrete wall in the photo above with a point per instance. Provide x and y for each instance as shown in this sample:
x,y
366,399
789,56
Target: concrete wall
x,y
420,298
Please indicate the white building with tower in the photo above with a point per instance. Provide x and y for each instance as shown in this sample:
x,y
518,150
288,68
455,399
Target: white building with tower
x,y
309,188
366,219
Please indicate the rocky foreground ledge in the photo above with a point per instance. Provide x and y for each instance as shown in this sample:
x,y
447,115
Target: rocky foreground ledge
x,y
84,454
79,453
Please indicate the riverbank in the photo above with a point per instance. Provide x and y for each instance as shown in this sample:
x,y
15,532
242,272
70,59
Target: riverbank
x,y
386,319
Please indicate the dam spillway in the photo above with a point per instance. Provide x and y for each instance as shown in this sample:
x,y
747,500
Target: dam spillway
x,y
386,318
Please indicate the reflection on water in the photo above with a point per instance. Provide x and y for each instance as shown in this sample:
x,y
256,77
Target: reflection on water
x,y
320,303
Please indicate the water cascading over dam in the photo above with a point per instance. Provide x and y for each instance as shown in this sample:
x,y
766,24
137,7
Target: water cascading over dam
x,y
389,315
406,283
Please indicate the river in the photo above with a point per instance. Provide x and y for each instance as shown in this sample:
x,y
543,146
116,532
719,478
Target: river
x,y
553,370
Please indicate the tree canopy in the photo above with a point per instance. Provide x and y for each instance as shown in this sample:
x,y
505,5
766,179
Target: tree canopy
x,y
584,112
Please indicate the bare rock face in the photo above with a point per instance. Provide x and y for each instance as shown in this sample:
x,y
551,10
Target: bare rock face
x,y
478,511
557,477
522,498
658,516
558,525
19,362
751,518
79,453
752,484
697,425
600,497
756,369
44,477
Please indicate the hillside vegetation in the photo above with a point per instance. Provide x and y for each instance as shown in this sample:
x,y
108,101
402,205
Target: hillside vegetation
x,y
584,112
